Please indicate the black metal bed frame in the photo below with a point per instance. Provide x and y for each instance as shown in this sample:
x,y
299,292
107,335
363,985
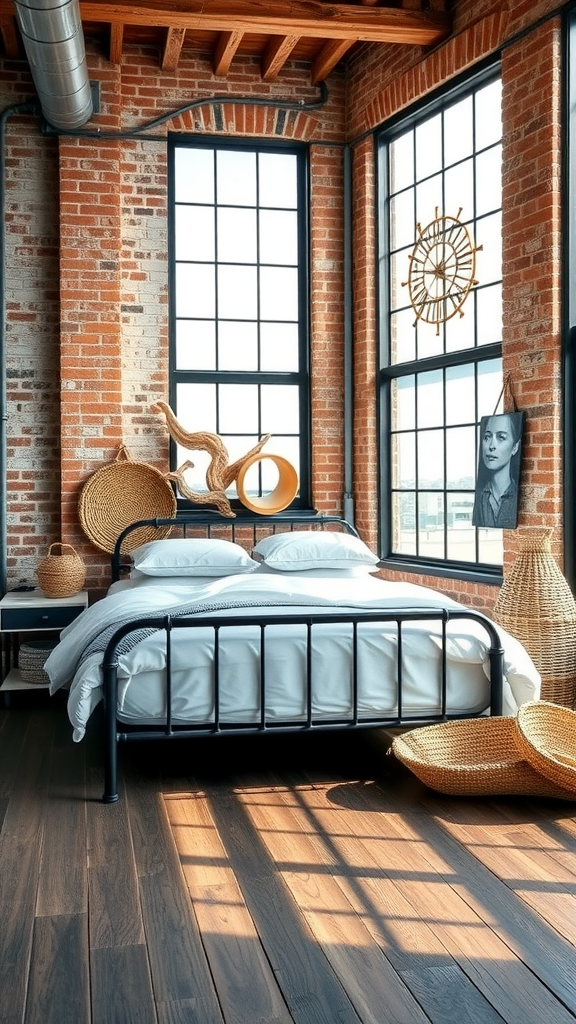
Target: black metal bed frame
x,y
116,731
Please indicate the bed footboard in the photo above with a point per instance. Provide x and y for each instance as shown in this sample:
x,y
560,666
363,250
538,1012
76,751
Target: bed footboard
x,y
356,715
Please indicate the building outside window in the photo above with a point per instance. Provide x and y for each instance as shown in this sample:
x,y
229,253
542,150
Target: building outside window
x,y
440,274
239,304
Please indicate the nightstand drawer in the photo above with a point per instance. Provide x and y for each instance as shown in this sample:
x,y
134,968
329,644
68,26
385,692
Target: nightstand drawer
x,y
16,619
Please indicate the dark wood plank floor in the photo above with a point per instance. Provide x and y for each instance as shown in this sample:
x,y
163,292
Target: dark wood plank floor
x,y
298,879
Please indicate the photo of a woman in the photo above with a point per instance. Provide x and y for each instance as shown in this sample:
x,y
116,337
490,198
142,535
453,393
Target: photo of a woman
x,y
496,498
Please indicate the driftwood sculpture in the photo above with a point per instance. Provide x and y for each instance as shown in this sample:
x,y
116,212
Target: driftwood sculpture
x,y
219,474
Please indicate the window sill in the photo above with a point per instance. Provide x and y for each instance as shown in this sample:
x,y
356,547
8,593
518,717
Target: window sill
x,y
478,575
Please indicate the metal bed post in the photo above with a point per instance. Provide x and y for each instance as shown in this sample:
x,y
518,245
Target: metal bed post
x,y
110,677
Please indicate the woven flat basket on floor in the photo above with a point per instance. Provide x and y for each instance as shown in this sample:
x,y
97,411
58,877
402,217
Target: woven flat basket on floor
x,y
32,657
473,757
122,493
546,737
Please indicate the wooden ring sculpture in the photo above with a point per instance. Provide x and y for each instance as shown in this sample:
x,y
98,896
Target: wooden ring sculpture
x,y
284,492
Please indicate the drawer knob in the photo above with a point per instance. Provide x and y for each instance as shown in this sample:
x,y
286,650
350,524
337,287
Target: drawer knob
x,y
44,617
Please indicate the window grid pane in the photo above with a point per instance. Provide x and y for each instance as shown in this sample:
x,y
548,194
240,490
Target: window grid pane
x,y
432,418
238,257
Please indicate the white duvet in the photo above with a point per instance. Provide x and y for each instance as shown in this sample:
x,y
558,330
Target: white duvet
x,y
141,669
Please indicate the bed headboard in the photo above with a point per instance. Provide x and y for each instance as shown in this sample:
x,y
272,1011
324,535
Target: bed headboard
x,y
243,529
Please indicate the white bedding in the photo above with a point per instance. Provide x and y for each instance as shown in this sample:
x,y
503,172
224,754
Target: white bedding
x,y
141,670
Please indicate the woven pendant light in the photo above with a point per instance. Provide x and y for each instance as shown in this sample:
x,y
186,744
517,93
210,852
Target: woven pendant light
x,y
536,605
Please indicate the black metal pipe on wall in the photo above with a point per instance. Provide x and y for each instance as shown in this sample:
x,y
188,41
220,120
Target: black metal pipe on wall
x,y
348,496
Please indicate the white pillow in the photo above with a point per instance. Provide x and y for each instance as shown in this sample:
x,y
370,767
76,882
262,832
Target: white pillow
x,y
314,549
192,556
319,573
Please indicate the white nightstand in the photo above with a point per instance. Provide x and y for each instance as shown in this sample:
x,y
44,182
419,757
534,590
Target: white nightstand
x,y
29,611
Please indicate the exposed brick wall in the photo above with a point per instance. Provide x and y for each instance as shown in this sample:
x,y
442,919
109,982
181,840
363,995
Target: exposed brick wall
x,y
32,343
532,266
327,327
365,341
91,366
125,246
87,266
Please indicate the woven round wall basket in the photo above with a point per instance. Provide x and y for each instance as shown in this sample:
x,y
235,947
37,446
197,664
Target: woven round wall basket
x,y
122,493
32,657
62,574
536,605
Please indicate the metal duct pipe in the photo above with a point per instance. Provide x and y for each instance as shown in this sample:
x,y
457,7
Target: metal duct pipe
x,y
54,43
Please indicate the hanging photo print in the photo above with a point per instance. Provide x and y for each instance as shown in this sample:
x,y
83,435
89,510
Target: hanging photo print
x,y
497,484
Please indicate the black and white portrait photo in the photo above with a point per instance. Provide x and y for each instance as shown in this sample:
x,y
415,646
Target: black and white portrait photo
x,y
497,484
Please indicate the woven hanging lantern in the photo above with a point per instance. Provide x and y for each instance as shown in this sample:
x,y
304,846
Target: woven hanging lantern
x,y
536,605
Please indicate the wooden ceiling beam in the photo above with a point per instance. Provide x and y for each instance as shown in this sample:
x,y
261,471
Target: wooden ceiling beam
x,y
275,56
172,49
328,58
116,37
10,38
225,51
310,18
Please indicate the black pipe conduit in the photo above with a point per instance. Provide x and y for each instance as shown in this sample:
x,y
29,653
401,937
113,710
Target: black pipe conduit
x,y
348,497
208,101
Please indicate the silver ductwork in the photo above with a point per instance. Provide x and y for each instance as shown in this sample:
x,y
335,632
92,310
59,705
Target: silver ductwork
x,y
54,43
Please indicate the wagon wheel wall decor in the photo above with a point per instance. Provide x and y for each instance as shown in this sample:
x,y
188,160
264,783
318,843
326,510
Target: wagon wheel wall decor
x,y
442,269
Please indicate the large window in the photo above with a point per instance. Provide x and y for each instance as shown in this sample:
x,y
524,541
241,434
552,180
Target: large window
x,y
239,304
441,369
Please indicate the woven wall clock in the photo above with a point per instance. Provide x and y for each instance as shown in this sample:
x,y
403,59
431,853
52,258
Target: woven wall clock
x,y
442,269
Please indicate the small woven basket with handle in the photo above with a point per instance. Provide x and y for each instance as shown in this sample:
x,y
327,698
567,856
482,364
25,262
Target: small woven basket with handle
x,y
63,574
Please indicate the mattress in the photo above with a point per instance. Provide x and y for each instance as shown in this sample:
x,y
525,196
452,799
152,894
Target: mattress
x,y
77,661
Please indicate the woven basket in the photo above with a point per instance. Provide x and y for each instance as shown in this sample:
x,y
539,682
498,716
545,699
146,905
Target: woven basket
x,y
535,604
32,658
61,575
473,757
119,494
546,737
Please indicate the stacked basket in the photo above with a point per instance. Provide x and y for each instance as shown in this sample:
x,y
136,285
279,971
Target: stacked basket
x,y
533,754
32,657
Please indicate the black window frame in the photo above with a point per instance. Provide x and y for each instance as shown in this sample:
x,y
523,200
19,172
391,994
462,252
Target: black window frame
x,y
568,122
300,377
424,565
